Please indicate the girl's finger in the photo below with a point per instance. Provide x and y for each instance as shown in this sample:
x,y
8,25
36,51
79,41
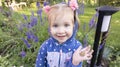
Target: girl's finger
x,y
90,53
79,48
89,57
86,49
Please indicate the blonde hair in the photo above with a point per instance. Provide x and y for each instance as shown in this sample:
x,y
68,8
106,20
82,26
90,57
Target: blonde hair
x,y
58,11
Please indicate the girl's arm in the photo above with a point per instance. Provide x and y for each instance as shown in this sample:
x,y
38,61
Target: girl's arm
x,y
70,64
41,58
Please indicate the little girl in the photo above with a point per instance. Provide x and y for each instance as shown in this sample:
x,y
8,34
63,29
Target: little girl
x,y
62,49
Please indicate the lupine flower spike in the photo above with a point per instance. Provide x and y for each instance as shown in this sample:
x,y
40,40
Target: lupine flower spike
x,y
26,43
38,4
45,3
92,21
22,54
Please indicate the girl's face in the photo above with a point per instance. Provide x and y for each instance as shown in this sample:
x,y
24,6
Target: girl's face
x,y
62,28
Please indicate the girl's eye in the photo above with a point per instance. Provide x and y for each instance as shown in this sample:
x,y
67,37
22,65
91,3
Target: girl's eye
x,y
66,25
55,25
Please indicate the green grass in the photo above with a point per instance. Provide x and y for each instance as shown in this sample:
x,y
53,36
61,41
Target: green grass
x,y
114,38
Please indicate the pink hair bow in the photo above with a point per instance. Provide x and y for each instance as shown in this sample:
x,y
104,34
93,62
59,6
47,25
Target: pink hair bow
x,y
46,8
73,4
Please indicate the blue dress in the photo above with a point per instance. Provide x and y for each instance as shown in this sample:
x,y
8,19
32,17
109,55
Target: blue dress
x,y
52,54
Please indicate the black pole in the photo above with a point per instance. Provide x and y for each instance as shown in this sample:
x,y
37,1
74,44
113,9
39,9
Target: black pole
x,y
102,45
96,40
103,11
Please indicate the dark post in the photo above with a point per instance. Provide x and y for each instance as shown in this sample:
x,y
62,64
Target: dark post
x,y
101,49
103,11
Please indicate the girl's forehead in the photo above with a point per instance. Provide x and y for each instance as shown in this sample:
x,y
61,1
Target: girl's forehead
x,y
61,14
64,18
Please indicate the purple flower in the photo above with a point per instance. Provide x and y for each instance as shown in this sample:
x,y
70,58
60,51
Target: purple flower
x,y
84,26
101,45
26,42
22,54
68,2
91,23
78,11
38,4
82,8
34,21
41,20
45,3
39,12
24,16
96,15
35,38
28,25
85,41
28,35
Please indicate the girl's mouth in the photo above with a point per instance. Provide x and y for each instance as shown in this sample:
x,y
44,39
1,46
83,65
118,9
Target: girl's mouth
x,y
61,37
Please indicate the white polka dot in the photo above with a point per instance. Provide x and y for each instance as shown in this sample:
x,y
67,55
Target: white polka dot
x,y
45,61
41,52
37,59
46,42
56,43
40,59
40,64
77,42
69,49
43,48
54,49
50,45
74,49
70,40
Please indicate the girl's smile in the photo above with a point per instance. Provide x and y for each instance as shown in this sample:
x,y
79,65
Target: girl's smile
x,y
61,37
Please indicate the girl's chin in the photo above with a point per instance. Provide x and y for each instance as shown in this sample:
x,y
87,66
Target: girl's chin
x,y
60,42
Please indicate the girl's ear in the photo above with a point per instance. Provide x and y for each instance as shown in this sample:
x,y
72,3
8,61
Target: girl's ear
x,y
46,9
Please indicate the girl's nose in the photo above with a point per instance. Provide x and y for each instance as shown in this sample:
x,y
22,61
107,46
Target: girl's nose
x,y
61,30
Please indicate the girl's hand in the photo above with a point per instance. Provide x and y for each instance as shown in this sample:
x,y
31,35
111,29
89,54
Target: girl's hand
x,y
82,54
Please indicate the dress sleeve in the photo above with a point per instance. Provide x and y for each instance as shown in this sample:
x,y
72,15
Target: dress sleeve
x,y
41,57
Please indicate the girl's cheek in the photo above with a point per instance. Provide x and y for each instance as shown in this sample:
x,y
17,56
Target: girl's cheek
x,y
53,30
